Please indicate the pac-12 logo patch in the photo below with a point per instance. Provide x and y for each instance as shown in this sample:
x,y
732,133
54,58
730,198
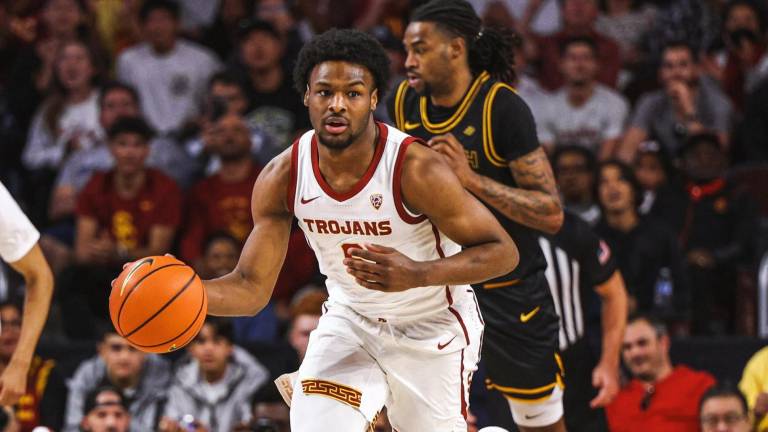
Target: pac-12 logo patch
x,y
377,200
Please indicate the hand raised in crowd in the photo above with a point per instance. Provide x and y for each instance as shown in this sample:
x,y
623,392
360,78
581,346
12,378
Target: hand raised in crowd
x,y
102,250
682,98
211,136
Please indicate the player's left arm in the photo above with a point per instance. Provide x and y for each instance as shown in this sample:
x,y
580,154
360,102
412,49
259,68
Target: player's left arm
x,y
534,202
39,289
429,187
613,296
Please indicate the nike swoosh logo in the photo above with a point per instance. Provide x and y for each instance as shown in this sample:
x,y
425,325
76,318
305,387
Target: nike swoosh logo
x,y
307,201
133,271
528,417
441,346
410,126
525,317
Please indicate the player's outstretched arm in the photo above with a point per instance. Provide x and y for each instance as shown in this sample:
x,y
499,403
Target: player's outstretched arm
x,y
248,288
39,282
430,187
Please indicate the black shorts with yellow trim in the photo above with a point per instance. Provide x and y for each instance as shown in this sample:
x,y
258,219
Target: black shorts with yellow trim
x,y
521,338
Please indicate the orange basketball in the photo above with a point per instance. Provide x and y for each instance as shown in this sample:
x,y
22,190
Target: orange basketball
x,y
158,304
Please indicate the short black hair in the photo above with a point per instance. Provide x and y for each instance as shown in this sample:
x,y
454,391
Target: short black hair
x,y
755,6
346,45
14,302
696,140
627,174
587,154
582,40
219,235
114,86
228,77
681,44
91,398
659,327
152,5
135,125
221,327
248,26
722,390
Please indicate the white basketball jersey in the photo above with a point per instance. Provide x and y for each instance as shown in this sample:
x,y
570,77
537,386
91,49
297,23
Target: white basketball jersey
x,y
371,212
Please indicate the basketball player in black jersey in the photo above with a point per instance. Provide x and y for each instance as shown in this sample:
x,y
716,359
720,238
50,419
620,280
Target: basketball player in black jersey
x,y
457,97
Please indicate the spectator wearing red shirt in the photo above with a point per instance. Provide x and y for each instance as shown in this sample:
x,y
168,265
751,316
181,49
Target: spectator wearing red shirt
x,y
222,203
660,397
123,214
579,17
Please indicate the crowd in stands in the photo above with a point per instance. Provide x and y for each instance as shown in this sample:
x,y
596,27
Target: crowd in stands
x,y
131,128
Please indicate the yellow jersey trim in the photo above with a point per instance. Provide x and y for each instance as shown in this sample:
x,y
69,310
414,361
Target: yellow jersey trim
x,y
533,391
400,105
448,125
488,146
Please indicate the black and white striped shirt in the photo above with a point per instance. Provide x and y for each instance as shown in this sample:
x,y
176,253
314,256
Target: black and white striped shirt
x,y
577,261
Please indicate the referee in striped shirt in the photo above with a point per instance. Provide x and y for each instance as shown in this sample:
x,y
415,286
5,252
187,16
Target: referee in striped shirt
x,y
580,264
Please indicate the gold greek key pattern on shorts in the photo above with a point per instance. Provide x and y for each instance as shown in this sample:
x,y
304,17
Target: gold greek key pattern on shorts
x,y
340,392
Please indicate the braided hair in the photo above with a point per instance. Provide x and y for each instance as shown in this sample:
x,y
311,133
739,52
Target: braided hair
x,y
490,49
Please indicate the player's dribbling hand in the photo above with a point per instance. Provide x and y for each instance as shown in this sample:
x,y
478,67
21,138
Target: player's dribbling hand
x,y
13,383
384,269
453,153
605,378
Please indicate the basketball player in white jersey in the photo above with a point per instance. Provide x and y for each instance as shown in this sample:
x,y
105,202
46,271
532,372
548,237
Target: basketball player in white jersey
x,y
387,220
20,249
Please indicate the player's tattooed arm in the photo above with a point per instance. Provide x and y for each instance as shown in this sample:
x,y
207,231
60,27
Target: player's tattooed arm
x,y
534,202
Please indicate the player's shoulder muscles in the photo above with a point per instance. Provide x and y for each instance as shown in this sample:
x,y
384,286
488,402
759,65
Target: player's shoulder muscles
x,y
270,196
427,181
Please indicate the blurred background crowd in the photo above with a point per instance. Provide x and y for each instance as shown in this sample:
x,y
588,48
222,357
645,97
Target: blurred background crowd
x,y
131,128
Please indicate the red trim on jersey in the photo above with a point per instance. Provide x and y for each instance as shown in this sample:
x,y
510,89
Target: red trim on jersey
x,y
294,175
343,196
448,295
437,242
396,187
461,378
461,322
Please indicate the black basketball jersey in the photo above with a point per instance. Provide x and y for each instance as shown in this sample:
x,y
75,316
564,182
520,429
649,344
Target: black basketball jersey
x,y
495,126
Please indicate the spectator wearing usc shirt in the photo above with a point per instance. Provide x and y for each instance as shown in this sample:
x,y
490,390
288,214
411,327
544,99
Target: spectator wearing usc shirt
x,y
222,203
128,212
